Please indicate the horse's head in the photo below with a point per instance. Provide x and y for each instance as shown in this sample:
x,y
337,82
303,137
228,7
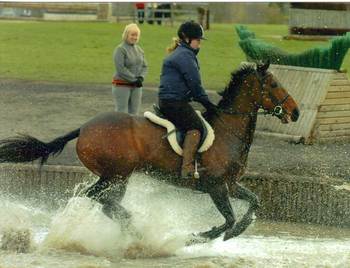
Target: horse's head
x,y
252,88
271,96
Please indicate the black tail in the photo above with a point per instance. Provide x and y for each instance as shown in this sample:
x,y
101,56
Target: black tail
x,y
25,148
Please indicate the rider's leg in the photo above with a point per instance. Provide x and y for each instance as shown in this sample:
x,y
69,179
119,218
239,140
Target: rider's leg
x,y
190,147
184,117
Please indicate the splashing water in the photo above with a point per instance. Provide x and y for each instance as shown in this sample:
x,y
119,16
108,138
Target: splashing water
x,y
80,235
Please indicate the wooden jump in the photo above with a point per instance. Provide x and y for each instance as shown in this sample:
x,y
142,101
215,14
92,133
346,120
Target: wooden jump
x,y
323,97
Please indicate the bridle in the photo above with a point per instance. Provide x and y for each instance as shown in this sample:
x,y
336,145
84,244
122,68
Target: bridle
x,y
277,111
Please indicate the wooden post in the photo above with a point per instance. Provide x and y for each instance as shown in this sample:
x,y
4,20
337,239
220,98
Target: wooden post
x,y
109,12
201,12
102,11
171,15
203,17
135,17
207,19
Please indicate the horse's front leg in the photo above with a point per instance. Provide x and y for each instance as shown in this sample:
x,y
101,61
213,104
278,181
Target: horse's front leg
x,y
220,196
241,192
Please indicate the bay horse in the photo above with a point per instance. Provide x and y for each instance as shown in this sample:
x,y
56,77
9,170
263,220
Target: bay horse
x,y
112,145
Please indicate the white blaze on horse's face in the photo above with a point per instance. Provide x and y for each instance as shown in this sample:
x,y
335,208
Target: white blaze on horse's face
x,y
277,101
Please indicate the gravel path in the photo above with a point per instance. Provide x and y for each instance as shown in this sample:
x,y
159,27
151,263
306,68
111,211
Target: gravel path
x,y
47,110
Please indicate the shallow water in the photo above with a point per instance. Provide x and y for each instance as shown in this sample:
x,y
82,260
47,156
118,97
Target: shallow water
x,y
78,235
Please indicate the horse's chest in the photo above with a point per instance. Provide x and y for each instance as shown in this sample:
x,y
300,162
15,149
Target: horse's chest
x,y
224,161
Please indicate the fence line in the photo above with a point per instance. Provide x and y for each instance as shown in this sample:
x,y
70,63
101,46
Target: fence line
x,y
171,15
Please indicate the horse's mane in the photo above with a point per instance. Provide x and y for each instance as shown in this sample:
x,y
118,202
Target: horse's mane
x,y
232,88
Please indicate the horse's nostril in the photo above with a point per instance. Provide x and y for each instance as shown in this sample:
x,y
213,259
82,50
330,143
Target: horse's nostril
x,y
295,114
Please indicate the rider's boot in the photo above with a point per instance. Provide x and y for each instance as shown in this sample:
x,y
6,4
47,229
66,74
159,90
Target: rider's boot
x,y
190,147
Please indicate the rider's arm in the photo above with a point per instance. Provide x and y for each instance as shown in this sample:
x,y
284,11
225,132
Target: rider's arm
x,y
190,71
188,67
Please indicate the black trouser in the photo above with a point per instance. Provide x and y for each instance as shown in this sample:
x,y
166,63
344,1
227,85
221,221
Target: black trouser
x,y
181,114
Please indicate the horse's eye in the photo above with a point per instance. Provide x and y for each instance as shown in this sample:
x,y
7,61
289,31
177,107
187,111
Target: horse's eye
x,y
273,84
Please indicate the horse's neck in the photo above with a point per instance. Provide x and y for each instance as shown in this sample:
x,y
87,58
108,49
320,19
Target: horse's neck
x,y
245,106
241,126
238,130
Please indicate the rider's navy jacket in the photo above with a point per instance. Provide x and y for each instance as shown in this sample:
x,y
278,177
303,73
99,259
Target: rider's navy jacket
x,y
180,78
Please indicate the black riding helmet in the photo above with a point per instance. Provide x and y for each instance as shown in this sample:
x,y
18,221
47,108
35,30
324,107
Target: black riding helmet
x,y
191,30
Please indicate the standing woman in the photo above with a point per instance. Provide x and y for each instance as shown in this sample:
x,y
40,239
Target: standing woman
x,y
131,68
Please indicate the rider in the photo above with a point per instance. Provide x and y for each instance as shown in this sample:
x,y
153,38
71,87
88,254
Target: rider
x,y
180,83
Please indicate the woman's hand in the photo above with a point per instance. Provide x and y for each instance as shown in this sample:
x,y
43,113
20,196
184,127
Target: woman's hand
x,y
138,82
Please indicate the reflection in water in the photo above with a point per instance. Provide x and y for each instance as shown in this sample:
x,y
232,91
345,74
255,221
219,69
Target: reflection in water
x,y
80,235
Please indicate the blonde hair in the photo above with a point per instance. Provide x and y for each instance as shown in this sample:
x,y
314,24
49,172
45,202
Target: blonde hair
x,y
174,45
128,28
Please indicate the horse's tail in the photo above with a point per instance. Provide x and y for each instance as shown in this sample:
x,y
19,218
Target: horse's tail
x,y
25,148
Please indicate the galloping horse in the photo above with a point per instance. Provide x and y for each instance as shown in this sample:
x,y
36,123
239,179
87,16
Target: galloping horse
x,y
112,145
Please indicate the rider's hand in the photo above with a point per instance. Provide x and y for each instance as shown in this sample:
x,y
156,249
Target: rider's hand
x,y
211,108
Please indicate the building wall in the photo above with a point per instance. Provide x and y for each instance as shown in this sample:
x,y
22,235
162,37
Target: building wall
x,y
311,19
249,12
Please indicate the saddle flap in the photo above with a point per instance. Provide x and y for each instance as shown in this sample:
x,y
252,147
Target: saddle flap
x,y
176,137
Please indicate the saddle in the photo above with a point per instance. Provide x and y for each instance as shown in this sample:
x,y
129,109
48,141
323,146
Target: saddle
x,y
175,136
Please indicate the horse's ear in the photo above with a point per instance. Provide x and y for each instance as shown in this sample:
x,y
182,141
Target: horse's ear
x,y
262,67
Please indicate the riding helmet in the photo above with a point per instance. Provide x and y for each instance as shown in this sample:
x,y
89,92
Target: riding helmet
x,y
191,30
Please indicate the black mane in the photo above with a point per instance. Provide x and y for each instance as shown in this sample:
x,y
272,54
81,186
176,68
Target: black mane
x,y
232,88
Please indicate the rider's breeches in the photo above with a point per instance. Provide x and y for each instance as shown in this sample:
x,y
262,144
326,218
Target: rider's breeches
x,y
127,99
181,114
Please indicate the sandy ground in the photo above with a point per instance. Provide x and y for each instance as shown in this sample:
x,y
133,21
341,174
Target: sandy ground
x,y
47,110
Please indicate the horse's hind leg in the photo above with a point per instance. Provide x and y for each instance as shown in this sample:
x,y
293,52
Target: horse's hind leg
x,y
110,193
243,193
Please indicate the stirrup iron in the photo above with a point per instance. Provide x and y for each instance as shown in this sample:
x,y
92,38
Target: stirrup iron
x,y
196,174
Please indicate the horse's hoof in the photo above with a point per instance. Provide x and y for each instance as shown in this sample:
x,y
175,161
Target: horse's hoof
x,y
231,233
237,229
134,233
196,239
